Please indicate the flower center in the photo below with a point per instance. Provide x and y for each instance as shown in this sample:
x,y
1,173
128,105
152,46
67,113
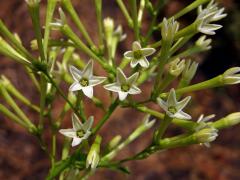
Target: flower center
x,y
137,54
80,133
172,109
84,82
125,87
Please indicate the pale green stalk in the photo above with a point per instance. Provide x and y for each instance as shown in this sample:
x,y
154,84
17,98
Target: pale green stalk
x,y
67,5
12,116
35,16
133,4
51,5
125,12
20,49
16,108
11,88
98,6
141,11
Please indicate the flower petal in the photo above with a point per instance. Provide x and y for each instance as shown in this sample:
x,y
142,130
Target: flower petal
x,y
88,70
136,46
88,91
180,105
162,104
76,74
172,100
76,123
133,78
121,78
76,141
144,62
147,51
76,86
95,80
128,54
68,132
134,90
134,63
113,87
88,124
122,95
182,115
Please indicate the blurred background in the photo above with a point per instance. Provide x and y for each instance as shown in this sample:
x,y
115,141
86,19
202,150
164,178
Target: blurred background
x,y
21,157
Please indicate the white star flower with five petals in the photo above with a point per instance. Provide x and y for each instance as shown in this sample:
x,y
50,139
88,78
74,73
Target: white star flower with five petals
x,y
174,108
124,85
84,80
138,55
80,131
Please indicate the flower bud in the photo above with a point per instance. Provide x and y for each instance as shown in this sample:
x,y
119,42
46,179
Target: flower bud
x,y
114,142
206,135
203,43
93,155
108,24
232,76
228,121
189,70
169,29
176,67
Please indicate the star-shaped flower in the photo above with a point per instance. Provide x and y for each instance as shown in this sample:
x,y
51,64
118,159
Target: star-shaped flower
x,y
138,55
203,124
124,85
80,131
84,80
174,108
208,15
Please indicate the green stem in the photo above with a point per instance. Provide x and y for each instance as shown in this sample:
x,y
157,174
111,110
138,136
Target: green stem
x,y
16,108
111,109
98,6
141,11
43,86
70,9
214,82
12,116
35,16
51,4
5,32
133,4
12,89
162,128
125,12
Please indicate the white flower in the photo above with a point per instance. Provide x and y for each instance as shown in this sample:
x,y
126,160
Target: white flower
x,y
169,29
189,70
176,67
124,85
80,131
202,124
210,14
84,80
174,108
203,43
232,76
138,55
